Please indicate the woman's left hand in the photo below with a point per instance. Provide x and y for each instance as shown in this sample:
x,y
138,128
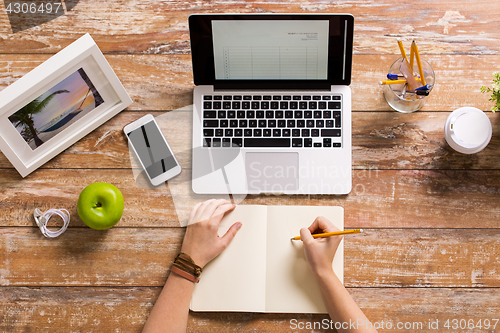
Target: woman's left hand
x,y
201,241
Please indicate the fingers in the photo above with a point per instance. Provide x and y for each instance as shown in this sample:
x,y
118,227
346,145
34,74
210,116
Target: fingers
x,y
207,209
223,209
201,209
193,212
210,209
229,235
305,236
323,225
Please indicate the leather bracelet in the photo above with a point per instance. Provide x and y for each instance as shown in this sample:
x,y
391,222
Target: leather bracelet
x,y
184,274
185,267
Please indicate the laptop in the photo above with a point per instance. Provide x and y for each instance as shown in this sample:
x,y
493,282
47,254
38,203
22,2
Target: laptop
x,y
272,103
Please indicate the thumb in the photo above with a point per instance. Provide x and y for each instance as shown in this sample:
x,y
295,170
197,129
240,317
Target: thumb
x,y
229,235
305,236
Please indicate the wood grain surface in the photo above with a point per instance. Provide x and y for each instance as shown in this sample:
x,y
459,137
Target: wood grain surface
x,y
160,27
380,198
169,84
431,248
142,257
107,309
380,140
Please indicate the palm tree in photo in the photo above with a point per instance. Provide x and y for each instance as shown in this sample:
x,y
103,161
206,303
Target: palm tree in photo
x,y
97,97
24,117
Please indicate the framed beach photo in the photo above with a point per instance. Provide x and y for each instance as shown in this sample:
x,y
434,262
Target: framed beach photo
x,y
58,103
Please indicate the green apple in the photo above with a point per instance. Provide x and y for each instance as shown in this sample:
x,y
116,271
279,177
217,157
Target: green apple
x,y
100,205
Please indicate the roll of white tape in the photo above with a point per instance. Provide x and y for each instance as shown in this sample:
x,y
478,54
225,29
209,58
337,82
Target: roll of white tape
x,y
468,130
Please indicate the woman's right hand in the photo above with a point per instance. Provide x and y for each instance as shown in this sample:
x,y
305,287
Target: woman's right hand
x,y
320,251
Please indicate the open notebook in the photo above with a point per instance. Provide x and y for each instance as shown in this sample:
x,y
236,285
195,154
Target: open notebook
x,y
262,270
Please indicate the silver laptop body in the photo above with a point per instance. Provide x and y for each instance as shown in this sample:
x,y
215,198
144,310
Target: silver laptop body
x,y
272,106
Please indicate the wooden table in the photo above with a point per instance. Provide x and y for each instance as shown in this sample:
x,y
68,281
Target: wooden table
x,y
431,250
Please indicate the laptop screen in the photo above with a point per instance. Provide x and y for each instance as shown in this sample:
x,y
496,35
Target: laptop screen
x,y
271,50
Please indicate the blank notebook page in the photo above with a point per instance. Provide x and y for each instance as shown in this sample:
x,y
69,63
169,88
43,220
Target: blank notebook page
x,y
290,284
236,279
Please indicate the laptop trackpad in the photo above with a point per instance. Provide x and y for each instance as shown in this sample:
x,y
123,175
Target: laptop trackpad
x,y
272,172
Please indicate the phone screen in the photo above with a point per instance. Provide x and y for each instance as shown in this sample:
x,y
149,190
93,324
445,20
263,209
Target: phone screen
x,y
154,153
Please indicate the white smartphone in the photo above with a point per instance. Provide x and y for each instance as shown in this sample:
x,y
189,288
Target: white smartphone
x,y
152,149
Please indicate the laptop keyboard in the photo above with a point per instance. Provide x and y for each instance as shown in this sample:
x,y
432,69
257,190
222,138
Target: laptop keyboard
x,y
309,121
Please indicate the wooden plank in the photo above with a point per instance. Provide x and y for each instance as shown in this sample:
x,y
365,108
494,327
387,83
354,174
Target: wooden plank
x,y
75,309
60,189
86,257
380,198
143,256
113,309
385,140
423,258
161,27
153,82
164,82
381,140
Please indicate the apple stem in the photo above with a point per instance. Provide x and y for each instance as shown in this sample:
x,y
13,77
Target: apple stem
x,y
98,204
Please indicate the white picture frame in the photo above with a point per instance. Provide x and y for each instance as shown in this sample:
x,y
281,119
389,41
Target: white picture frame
x,y
58,103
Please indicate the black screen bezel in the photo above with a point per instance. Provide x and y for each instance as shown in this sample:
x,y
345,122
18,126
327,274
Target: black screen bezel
x,y
202,54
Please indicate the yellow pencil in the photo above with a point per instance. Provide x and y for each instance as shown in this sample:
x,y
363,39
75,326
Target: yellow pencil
x,y
394,81
402,49
328,234
411,56
419,63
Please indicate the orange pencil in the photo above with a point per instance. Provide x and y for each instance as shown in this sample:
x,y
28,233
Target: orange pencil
x,y
329,234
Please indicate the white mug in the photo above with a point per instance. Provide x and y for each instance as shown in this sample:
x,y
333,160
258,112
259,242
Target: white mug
x,y
468,130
